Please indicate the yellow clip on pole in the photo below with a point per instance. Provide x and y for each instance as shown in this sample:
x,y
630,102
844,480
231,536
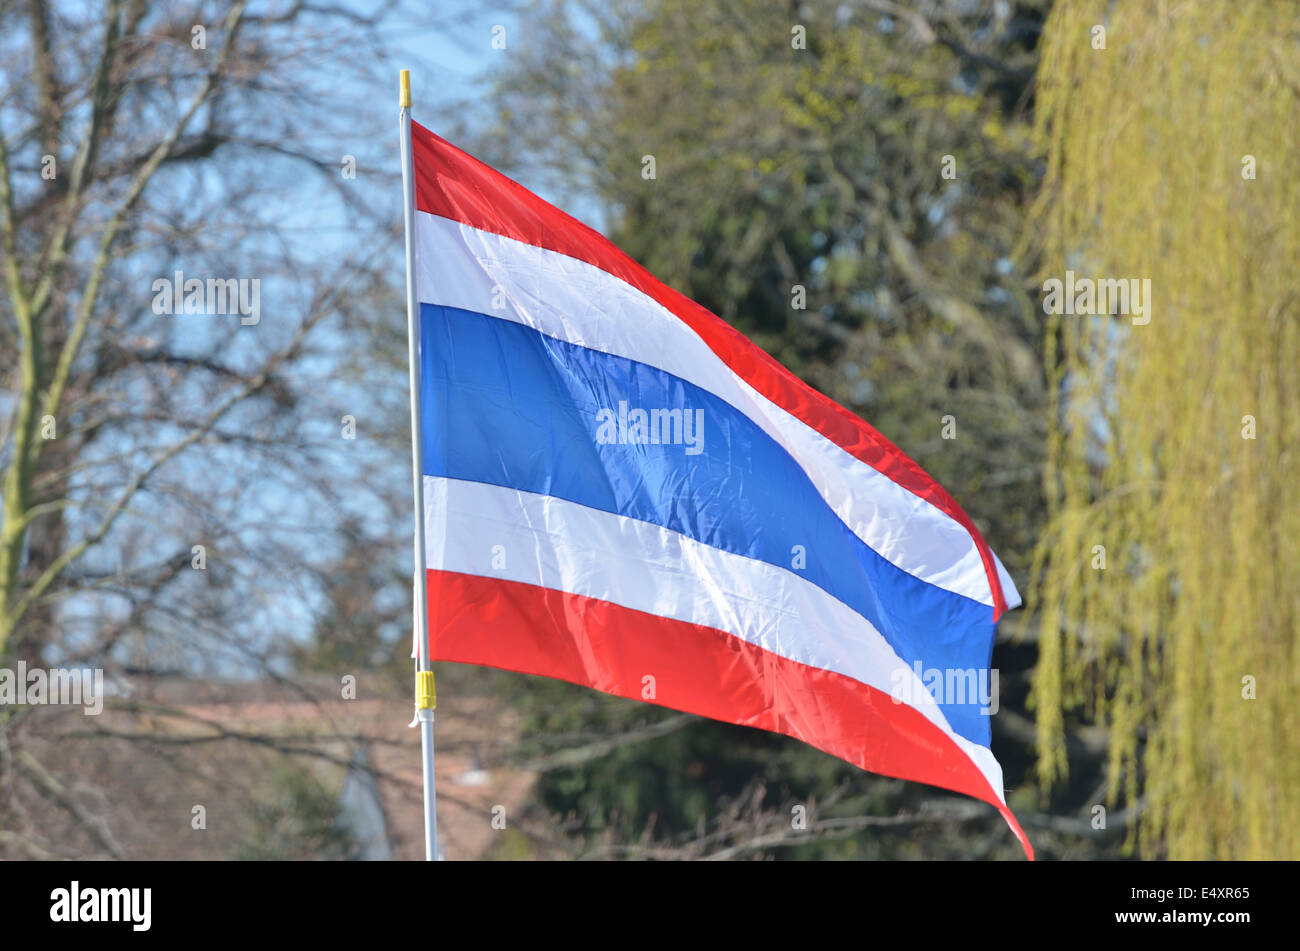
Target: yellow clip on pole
x,y
405,102
426,694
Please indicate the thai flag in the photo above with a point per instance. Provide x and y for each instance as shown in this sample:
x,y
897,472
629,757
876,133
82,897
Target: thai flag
x,y
623,492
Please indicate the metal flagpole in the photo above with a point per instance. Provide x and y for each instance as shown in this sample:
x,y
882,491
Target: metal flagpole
x,y
425,693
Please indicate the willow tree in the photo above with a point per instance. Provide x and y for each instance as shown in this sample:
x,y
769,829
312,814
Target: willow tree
x,y
1170,574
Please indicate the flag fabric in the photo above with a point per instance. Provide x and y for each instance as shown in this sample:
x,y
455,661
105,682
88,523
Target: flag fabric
x,y
623,492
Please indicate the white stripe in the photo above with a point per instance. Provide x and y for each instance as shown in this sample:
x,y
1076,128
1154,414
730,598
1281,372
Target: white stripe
x,y
1008,586
571,300
470,527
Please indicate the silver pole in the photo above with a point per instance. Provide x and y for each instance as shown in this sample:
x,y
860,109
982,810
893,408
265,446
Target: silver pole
x,y
423,712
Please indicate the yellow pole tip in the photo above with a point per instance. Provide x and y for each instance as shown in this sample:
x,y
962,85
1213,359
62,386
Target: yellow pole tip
x,y
406,89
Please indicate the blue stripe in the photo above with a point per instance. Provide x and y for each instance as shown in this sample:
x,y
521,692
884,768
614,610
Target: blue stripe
x,y
507,405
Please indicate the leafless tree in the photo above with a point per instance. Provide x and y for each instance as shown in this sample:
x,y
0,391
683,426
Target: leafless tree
x,y
173,477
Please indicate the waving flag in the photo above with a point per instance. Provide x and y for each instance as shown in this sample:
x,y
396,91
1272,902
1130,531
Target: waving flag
x,y
623,492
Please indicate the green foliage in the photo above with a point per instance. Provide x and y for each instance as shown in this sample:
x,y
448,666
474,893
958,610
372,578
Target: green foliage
x,y
1149,455
676,787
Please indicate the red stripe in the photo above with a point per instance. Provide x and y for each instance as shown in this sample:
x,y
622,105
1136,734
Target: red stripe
x,y
696,669
453,184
